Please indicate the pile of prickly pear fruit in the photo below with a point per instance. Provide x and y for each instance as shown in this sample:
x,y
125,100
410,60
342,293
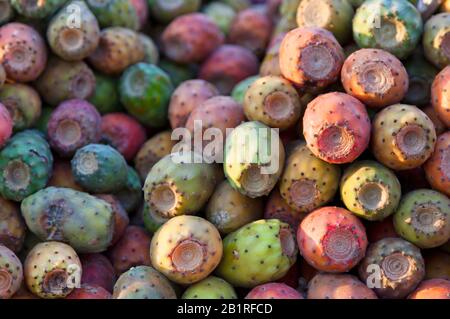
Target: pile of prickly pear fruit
x,y
224,149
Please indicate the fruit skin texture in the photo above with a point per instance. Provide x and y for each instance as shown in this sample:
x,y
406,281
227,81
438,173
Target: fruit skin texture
x,y
421,76
37,9
115,13
25,165
277,208
436,40
331,239
97,271
357,77
143,282
121,219
163,13
191,38
423,218
298,56
49,267
274,291
62,176
338,286
210,288
401,268
77,218
335,115
145,92
87,291
397,28
403,137
11,274
432,289
241,88
106,95
6,125
437,264
437,168
12,227
186,249
72,125
440,97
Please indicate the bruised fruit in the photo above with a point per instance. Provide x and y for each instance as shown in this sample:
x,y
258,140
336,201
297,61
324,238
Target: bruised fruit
x,y
440,97
12,227
274,291
210,288
11,274
432,289
97,271
436,40
437,168
277,208
338,286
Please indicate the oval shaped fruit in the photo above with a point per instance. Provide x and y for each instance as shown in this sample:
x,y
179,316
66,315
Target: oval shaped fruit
x,y
210,288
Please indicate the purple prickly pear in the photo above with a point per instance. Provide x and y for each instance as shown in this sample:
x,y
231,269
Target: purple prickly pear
x,y
97,270
12,227
11,274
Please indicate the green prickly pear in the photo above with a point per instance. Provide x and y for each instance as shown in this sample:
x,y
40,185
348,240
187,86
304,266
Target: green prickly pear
x,y
241,88
177,72
115,13
210,288
152,221
106,94
131,194
165,13
436,40
11,274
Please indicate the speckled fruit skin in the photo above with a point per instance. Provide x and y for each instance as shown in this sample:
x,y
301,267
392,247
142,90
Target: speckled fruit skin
x,y
22,52
191,38
210,288
62,176
72,125
432,289
115,13
79,219
440,97
49,267
97,271
241,88
221,13
37,9
12,227
375,77
133,249
437,167
87,291
423,218
227,66
336,127
403,137
118,49
229,210
310,57
307,181
186,249
274,291
401,268
338,286
381,229
437,264
277,208
186,97
331,239
121,219
11,274
6,125
391,25
257,253
106,95
436,40
165,13
143,282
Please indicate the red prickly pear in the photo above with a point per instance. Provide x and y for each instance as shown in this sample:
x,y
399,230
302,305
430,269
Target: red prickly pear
x,y
62,176
121,219
381,229
276,207
11,274
97,271
432,289
437,264
437,168
274,291
338,286
87,291
440,95
6,125
12,227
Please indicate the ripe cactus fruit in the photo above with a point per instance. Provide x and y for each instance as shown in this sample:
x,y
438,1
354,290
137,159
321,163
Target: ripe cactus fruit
x,y
259,252
274,291
423,218
436,39
331,239
37,9
332,15
381,229
240,88
145,92
186,249
403,137
421,75
79,219
438,124
277,208
227,66
391,25
432,289
375,77
210,288
6,11
336,127
370,190
272,100
143,282
87,291
310,57
221,13
131,194
437,264
121,219
254,159
186,97
393,267
229,210
76,41
106,95
62,176
165,13
338,286
97,271
72,125
23,52
437,167
178,184
11,274
307,181
12,228
6,125
64,80
25,165
150,48
99,168
115,13
440,97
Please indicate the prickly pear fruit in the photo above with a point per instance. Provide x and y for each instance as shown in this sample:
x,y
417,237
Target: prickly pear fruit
x,y
432,289
25,165
440,97
23,52
115,13
381,229
106,95
63,80
186,249
6,125
165,13
12,228
150,48
221,13
210,288
131,194
391,25
141,9
99,168
331,239
310,57
11,274
6,11
72,125
62,176
403,137
393,267
145,92
375,77
37,9
438,124
426,7
437,167
97,271
178,72
338,286
437,264
436,40
63,214
227,66
277,208
241,88
421,75
87,291
274,291
152,221
143,282
121,219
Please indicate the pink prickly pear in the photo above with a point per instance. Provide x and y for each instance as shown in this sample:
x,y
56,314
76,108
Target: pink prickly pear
x,y
274,291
